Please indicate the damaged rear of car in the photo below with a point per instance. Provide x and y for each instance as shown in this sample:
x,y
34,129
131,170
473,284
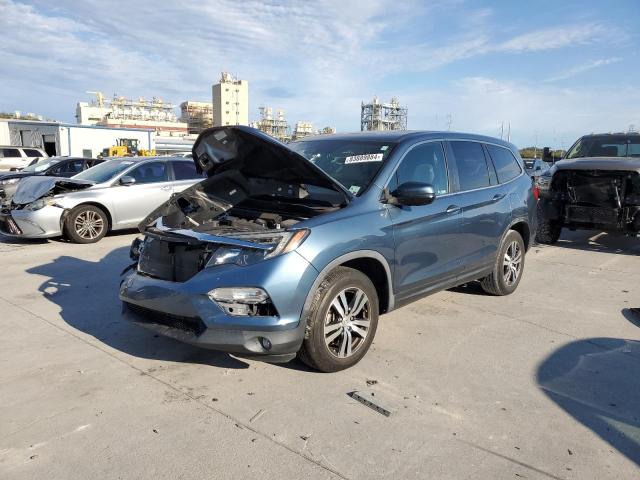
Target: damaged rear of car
x,y
591,193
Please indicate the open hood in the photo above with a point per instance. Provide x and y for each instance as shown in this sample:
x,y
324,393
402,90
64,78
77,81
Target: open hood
x,y
31,189
256,155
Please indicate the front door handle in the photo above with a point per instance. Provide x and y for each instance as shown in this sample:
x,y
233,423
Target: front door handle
x,y
452,209
166,187
498,196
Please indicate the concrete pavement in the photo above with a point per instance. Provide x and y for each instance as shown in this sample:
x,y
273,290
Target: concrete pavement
x,y
542,384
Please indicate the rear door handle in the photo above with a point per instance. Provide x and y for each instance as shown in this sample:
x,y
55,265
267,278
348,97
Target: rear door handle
x,y
166,187
498,196
452,209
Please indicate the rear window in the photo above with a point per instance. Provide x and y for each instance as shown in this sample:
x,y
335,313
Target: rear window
x,y
505,163
472,166
30,152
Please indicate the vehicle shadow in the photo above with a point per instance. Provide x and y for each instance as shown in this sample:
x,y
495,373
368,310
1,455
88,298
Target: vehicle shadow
x,y
87,294
632,314
597,382
599,242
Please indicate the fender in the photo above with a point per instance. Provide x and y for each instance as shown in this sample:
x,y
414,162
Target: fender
x,y
339,261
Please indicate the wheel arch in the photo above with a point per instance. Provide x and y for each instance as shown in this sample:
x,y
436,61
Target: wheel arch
x,y
522,227
99,205
371,263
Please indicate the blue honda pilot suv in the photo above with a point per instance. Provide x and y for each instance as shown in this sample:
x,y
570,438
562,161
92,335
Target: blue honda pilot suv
x,y
297,249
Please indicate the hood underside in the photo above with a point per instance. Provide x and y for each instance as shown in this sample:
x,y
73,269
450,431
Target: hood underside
x,y
31,189
256,155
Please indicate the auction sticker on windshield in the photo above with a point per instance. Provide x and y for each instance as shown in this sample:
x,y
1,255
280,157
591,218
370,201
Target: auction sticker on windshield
x,y
369,157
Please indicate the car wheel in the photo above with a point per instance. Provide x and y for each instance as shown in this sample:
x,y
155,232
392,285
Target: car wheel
x,y
341,322
86,224
509,266
548,231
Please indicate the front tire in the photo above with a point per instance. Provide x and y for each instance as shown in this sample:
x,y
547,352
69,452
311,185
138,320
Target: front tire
x,y
86,224
508,268
341,322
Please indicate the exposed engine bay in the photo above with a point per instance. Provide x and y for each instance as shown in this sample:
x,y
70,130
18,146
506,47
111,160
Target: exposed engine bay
x,y
227,219
596,199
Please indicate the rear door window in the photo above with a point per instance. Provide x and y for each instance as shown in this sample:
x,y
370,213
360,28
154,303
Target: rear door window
x,y
10,152
506,165
150,173
185,171
471,165
426,164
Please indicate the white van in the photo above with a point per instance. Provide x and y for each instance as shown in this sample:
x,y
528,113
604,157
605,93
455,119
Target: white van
x,y
16,158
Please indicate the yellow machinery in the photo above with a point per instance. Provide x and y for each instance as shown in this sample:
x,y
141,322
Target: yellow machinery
x,y
127,147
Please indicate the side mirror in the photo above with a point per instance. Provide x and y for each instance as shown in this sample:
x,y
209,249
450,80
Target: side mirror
x,y
414,193
127,180
546,155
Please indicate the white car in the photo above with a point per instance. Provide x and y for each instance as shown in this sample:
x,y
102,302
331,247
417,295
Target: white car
x,y
114,195
17,158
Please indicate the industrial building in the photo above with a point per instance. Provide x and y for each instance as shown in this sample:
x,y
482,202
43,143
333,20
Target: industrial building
x,y
230,101
70,139
121,112
274,125
383,116
303,129
197,115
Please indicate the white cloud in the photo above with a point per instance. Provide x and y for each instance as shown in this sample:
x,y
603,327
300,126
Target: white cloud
x,y
585,67
316,60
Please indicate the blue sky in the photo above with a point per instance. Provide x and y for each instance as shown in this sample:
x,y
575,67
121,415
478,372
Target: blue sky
x,y
553,70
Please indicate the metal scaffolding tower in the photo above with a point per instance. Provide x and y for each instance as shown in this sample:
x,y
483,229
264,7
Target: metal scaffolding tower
x,y
383,116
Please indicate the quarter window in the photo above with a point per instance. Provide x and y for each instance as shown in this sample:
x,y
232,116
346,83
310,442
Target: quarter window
x,y
150,173
426,164
471,164
30,152
506,164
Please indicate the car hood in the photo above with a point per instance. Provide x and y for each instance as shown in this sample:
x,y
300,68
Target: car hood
x,y
32,188
599,163
256,155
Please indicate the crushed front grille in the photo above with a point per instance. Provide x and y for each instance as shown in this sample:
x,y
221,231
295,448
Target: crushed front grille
x,y
8,225
193,325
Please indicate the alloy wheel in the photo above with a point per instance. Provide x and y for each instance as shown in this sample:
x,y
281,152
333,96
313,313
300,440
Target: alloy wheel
x,y
512,263
89,225
347,322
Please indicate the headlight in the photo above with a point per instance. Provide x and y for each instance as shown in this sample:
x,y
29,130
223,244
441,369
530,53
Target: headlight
x,y
243,301
9,181
41,203
282,243
543,182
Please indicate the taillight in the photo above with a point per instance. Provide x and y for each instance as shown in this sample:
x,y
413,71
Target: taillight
x,y
536,192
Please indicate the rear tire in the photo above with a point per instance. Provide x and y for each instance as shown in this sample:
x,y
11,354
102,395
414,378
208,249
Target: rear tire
x,y
548,231
508,268
341,322
86,224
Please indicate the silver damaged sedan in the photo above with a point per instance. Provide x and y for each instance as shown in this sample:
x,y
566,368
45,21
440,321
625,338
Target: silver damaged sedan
x,y
114,195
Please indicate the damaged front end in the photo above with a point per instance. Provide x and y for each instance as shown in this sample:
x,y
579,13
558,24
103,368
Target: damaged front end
x,y
34,210
594,199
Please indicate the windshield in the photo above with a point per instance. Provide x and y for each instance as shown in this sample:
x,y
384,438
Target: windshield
x,y
606,146
353,163
42,166
105,171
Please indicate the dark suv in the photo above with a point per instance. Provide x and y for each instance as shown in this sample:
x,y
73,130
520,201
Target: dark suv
x,y
297,249
595,187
